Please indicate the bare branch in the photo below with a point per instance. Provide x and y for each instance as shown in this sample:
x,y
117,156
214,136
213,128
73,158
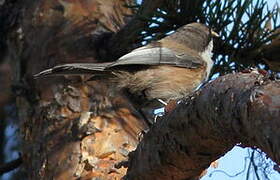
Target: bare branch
x,y
10,165
271,55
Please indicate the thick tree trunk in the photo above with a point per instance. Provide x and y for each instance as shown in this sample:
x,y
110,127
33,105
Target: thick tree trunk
x,y
71,129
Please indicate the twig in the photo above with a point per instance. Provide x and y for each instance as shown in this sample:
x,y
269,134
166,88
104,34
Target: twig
x,y
10,165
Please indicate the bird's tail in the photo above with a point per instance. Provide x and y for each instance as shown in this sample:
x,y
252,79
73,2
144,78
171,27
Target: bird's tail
x,y
74,69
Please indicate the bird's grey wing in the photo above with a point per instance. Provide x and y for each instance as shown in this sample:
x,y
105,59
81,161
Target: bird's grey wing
x,y
148,55
158,56
73,69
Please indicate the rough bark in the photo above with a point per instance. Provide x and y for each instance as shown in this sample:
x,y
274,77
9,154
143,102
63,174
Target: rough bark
x,y
71,129
77,131
232,109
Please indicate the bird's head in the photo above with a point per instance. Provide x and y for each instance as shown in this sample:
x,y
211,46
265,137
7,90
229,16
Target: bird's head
x,y
196,36
201,27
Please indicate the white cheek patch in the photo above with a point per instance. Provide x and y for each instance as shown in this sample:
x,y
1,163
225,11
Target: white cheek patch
x,y
207,57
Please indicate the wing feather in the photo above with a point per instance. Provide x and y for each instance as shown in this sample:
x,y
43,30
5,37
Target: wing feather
x,y
147,55
158,56
74,69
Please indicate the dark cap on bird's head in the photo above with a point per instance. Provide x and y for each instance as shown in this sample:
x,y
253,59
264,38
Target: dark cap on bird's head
x,y
196,36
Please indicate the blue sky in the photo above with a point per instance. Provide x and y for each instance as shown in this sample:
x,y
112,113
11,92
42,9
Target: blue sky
x,y
234,166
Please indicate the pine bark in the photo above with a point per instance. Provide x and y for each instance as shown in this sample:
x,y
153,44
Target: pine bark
x,y
71,129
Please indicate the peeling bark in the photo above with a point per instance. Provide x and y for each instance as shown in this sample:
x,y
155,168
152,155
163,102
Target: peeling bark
x,y
77,131
71,129
232,109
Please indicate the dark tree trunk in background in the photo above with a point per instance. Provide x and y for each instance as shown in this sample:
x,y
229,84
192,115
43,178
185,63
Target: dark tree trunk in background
x,y
5,99
2,136
71,129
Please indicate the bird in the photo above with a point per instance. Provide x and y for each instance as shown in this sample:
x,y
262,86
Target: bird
x,y
168,69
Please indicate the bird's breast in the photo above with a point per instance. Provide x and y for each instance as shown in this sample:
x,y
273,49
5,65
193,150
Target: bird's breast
x,y
163,82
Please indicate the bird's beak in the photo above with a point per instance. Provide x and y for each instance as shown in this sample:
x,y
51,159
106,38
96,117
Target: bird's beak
x,y
214,34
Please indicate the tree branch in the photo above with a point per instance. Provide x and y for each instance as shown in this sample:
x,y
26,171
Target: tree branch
x,y
10,165
232,109
271,55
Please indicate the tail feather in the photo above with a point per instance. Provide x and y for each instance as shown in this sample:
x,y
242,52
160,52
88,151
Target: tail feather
x,y
74,69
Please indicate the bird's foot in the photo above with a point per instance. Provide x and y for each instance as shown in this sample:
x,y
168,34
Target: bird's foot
x,y
170,106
